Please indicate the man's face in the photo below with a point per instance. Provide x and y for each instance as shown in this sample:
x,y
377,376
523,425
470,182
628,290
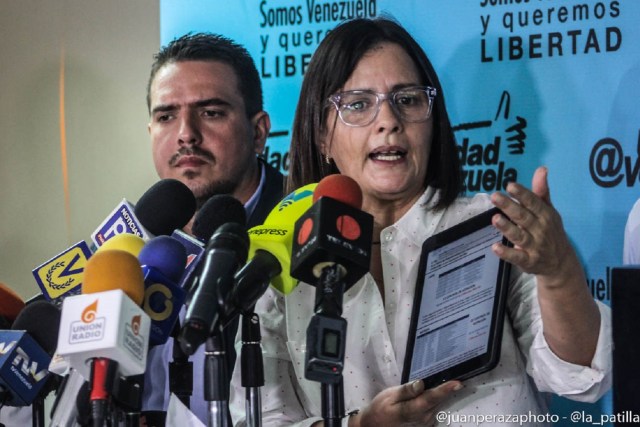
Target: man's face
x,y
199,130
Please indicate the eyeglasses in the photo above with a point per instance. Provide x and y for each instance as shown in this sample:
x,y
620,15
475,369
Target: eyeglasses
x,y
360,107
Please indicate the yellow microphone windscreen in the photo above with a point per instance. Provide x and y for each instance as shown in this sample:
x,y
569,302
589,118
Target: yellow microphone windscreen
x,y
113,269
125,242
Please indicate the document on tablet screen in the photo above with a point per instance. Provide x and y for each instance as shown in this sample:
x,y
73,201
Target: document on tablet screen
x,y
454,323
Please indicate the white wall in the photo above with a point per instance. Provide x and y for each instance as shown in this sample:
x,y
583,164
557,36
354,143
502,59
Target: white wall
x,y
107,48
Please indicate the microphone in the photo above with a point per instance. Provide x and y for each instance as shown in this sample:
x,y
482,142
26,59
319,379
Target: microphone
x,y
331,249
253,280
167,205
163,261
61,276
217,210
106,320
334,231
10,306
103,332
64,411
25,353
124,242
225,253
276,234
250,283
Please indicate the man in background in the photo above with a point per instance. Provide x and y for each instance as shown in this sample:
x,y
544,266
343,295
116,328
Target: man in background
x,y
207,128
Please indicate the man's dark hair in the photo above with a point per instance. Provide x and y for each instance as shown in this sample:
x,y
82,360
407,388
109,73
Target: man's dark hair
x,y
213,47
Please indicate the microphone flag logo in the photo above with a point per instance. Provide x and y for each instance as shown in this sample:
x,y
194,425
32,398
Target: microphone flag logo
x,y
135,324
62,275
90,327
348,227
89,313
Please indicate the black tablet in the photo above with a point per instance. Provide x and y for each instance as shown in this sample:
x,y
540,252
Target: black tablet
x,y
459,303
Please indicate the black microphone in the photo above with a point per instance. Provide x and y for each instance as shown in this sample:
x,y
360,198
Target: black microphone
x,y
251,282
225,253
217,210
167,205
331,249
333,232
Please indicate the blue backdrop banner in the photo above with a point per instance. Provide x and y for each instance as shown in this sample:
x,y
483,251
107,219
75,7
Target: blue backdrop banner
x,y
527,83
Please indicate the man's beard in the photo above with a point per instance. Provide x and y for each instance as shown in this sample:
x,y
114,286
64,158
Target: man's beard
x,y
213,188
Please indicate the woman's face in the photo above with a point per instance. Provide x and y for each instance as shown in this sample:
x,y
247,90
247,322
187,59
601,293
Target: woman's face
x,y
388,157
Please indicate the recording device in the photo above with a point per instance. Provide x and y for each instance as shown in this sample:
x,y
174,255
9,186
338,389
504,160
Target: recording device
x,y
217,210
250,283
276,234
333,231
331,249
106,320
121,220
167,205
163,260
225,253
124,242
104,334
25,353
64,411
61,276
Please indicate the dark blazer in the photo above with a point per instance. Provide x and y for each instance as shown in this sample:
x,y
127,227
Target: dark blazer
x,y
271,195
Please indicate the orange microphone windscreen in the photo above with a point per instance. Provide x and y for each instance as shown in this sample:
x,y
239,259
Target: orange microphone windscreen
x,y
114,269
341,188
10,303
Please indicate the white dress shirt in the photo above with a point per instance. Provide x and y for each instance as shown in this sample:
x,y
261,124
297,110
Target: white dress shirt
x,y
377,339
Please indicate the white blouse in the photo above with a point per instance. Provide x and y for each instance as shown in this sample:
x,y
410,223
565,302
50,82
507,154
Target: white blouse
x,y
377,339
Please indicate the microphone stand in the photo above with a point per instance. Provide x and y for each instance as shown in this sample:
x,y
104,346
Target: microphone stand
x,y
37,412
252,369
326,339
216,380
37,407
180,371
127,399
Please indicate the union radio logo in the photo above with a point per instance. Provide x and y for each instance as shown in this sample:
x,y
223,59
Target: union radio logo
x,y
89,328
135,324
89,313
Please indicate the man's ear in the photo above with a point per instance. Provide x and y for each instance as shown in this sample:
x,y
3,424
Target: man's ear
x,y
261,126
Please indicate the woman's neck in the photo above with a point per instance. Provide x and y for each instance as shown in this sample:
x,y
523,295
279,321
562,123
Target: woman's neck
x,y
385,213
